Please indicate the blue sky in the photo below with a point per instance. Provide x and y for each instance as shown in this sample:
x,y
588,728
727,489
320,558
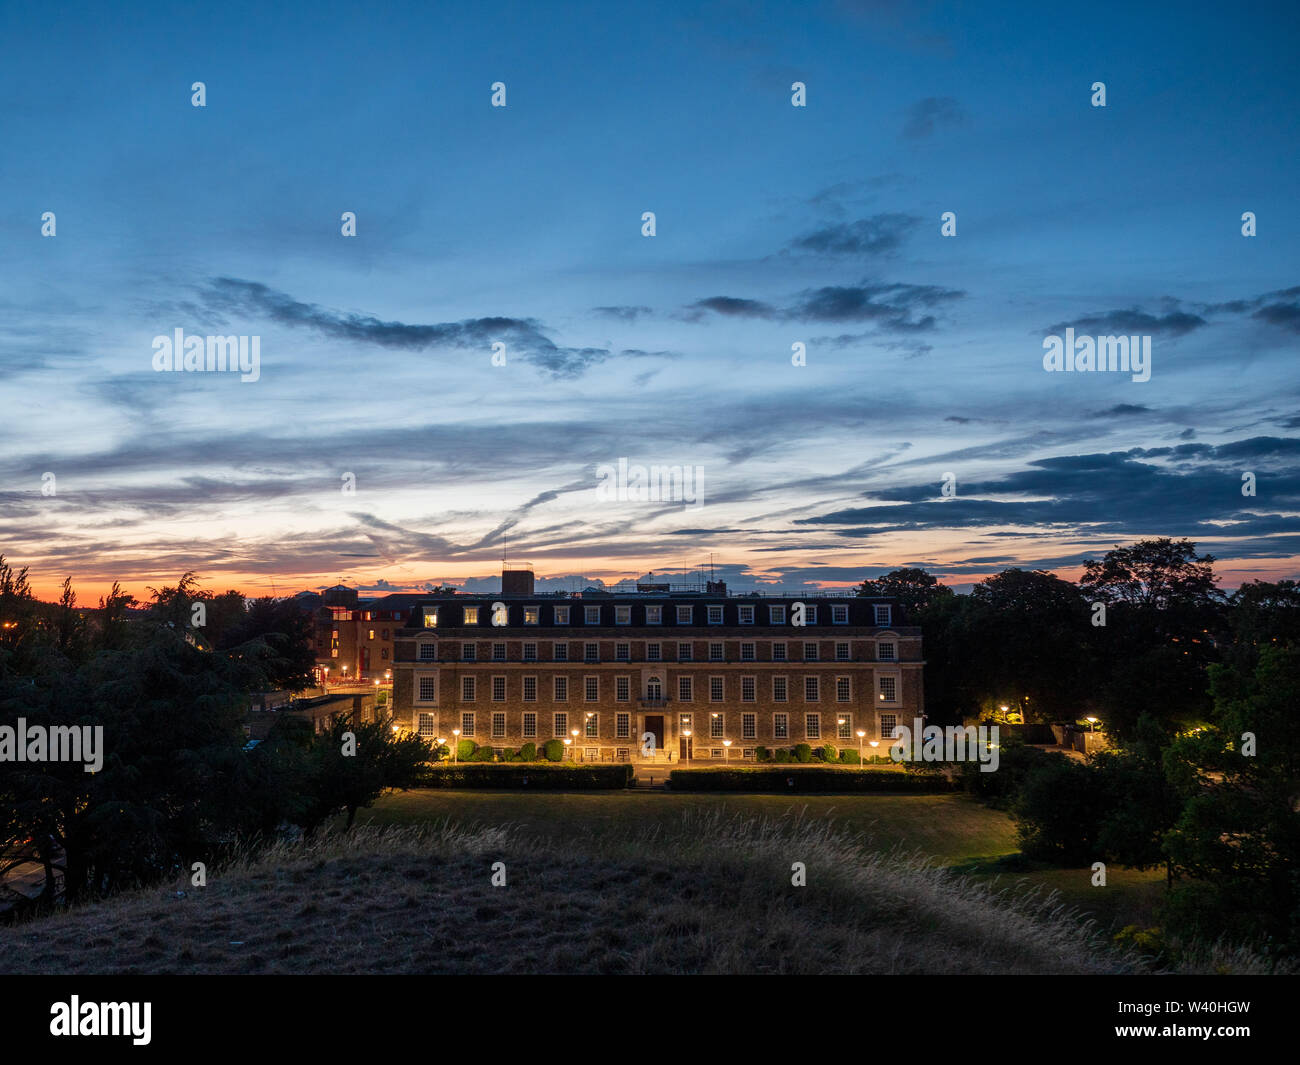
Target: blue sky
x,y
774,225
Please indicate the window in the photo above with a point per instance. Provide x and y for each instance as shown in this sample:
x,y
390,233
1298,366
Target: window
x,y
812,726
591,615
498,689
383,634
842,690
561,689
778,651
471,615
593,725
781,726
560,651
466,723
888,725
845,726
530,725
622,726
882,615
841,652
623,689
592,688
810,652
653,652
498,724
684,615
685,652
839,614
426,728
716,652
887,651
654,615
469,652
747,652
888,689
715,615
746,615
780,690
372,634
748,726
498,652
429,689
561,615
717,726
776,615
383,653
811,689
591,652
622,615
748,686
561,724
468,690
530,689
428,652
810,614
430,617
622,652
530,652
686,689
715,689
623,753
532,615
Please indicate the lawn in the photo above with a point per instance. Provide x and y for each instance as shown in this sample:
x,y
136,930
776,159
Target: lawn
x,y
953,830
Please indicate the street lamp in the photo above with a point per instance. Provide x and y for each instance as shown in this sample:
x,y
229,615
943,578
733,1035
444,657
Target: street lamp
x,y
568,743
686,734
875,743
726,749
455,747
1092,724
575,742
441,740
862,733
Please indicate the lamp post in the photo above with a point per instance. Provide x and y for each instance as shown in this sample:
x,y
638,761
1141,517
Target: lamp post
x,y
875,743
686,735
862,733
441,740
325,678
1092,724
455,745
575,743
568,743
726,749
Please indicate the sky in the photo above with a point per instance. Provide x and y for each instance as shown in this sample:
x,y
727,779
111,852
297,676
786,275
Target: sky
x,y
383,446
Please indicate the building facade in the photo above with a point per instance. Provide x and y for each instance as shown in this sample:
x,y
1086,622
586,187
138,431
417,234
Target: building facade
x,y
657,674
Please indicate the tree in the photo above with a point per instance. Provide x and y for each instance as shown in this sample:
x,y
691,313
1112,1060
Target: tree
x,y
347,775
913,588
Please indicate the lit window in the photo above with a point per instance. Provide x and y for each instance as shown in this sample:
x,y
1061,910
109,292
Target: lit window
x,y
888,689
532,615
717,726
593,725
471,615
845,725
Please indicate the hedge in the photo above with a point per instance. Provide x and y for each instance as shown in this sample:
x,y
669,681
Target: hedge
x,y
805,778
528,775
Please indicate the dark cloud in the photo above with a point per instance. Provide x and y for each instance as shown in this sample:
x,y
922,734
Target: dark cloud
x,y
520,335
877,235
623,314
931,114
892,307
1131,321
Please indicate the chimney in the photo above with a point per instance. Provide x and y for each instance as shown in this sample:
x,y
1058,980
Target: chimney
x,y
715,588
517,582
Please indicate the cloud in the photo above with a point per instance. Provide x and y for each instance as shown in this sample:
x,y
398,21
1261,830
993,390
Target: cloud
x,y
623,314
892,307
877,235
1131,321
521,335
931,114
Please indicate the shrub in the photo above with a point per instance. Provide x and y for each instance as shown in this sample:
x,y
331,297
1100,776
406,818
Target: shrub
x,y
782,755
802,752
554,750
804,779
483,754
762,754
528,752
465,750
829,753
848,757
574,777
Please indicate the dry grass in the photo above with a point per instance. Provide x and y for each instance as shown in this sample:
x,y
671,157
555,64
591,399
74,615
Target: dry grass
x,y
711,895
